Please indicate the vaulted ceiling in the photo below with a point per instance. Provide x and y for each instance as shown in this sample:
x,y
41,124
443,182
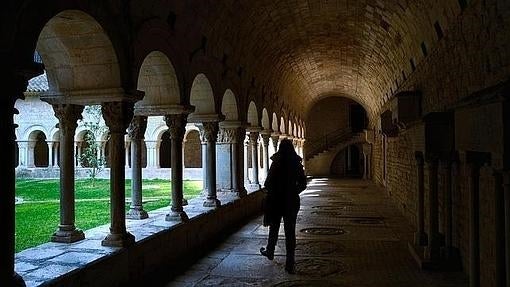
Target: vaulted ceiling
x,y
308,49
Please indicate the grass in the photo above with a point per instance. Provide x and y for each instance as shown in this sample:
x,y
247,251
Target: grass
x,y
39,214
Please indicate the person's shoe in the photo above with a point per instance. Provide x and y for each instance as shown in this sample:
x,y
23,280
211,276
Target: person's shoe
x,y
267,253
290,268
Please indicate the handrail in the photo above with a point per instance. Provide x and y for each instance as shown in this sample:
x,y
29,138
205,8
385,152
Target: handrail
x,y
316,146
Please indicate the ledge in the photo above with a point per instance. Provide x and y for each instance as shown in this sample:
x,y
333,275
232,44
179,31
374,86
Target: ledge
x,y
162,248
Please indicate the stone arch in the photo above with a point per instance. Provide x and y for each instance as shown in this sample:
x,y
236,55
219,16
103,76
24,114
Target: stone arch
x,y
253,116
202,96
79,56
29,131
265,120
192,149
39,149
158,79
229,106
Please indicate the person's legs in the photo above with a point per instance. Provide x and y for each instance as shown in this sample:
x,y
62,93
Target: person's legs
x,y
289,224
274,228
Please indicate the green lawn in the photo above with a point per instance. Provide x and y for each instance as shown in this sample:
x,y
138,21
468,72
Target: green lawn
x,y
38,216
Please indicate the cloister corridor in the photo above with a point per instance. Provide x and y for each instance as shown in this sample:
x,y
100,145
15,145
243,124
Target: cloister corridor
x,y
348,234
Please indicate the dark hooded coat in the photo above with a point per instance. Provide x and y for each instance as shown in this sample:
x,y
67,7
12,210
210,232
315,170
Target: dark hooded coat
x,y
285,181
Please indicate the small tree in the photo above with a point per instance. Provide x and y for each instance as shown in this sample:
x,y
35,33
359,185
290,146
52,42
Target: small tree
x,y
89,154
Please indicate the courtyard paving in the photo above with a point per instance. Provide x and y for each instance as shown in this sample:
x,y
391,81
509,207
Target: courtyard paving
x,y
348,234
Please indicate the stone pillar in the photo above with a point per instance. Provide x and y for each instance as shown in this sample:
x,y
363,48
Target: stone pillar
x,y
499,210
265,146
448,209
254,137
13,86
31,154
349,160
50,154
156,154
151,150
136,131
67,115
126,151
239,169
506,196
433,246
78,154
210,135
203,149
420,238
23,152
176,127
245,159
276,139
474,226
117,116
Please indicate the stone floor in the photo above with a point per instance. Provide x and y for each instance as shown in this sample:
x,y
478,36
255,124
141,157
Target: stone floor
x,y
348,234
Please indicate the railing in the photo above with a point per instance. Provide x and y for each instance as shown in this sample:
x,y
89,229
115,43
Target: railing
x,y
327,141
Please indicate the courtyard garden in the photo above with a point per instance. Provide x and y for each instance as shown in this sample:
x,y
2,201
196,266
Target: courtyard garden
x,y
38,209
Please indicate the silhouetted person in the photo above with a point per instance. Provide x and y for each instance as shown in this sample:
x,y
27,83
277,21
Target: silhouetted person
x,y
285,180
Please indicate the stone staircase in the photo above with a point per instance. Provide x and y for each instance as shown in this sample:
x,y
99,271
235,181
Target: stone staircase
x,y
320,157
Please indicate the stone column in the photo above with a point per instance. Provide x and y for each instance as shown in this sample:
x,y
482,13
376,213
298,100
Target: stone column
x,y
117,116
210,135
433,246
176,127
136,131
151,147
276,139
448,205
499,210
13,87
265,146
78,154
239,169
50,154
349,160
474,225
245,159
506,195
203,149
126,151
31,154
420,238
67,115
157,154
23,151
254,137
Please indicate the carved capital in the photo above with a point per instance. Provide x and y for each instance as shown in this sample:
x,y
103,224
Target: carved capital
x,y
137,127
254,137
176,125
227,135
209,131
68,116
265,139
117,115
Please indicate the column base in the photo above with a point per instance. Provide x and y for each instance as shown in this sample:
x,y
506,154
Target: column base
x,y
177,216
241,192
212,202
137,214
421,256
420,239
184,202
119,240
67,236
253,187
17,281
